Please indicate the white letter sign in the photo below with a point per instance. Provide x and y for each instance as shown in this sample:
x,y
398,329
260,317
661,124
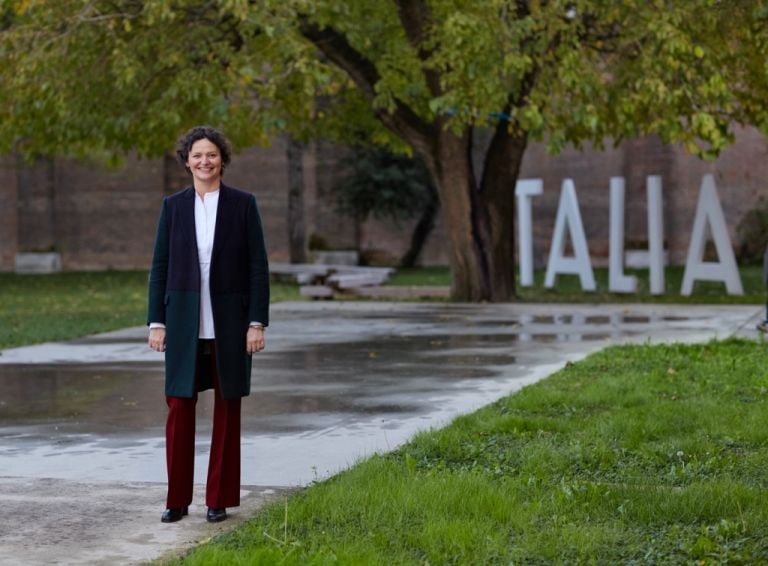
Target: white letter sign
x,y
618,282
524,191
655,234
568,215
709,214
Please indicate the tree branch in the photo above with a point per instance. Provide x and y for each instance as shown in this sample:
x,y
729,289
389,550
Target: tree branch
x,y
502,160
403,121
506,150
414,17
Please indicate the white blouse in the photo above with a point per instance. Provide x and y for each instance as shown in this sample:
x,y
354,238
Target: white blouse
x,y
205,226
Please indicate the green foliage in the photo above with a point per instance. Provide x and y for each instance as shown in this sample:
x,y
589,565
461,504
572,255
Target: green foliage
x,y
637,455
85,75
382,184
88,76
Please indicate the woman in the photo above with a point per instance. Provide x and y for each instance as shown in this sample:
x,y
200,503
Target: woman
x,y
208,308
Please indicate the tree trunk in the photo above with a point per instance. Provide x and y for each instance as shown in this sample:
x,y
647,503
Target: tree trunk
x,y
297,232
500,173
479,215
423,229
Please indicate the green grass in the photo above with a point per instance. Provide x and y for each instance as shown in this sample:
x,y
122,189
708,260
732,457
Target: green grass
x,y
636,455
39,308
568,288
433,275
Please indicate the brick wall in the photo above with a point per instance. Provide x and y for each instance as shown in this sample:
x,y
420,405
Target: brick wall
x,y
8,214
263,171
36,210
339,232
106,218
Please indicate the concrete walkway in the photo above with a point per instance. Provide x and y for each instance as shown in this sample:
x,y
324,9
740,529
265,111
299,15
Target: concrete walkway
x,y
82,472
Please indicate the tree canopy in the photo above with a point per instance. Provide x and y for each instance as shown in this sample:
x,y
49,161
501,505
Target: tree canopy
x,y
83,76
130,74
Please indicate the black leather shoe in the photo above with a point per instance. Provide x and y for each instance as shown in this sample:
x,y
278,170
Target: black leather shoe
x,y
216,514
174,514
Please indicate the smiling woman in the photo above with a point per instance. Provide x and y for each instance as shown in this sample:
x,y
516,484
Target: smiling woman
x,y
206,153
208,307
204,162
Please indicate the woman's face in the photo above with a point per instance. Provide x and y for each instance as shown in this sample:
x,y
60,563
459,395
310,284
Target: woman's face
x,y
204,161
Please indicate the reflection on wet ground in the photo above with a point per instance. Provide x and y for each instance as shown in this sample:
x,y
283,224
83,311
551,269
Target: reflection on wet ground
x,y
357,377
336,382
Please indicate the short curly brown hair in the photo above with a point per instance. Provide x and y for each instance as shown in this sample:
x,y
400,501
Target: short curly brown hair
x,y
185,143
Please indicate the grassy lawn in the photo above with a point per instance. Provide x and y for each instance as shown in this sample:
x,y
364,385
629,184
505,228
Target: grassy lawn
x,y
39,308
636,455
569,289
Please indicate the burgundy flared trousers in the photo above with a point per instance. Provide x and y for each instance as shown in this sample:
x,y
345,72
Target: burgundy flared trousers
x,y
223,486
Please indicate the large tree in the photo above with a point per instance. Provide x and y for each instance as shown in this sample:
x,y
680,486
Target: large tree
x,y
425,75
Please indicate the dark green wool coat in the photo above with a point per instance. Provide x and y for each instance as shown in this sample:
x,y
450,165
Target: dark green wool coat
x,y
239,290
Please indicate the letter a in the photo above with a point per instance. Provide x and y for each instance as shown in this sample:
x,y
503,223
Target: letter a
x,y
568,215
709,213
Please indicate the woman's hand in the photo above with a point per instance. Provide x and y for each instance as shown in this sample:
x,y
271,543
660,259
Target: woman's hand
x,y
157,339
254,340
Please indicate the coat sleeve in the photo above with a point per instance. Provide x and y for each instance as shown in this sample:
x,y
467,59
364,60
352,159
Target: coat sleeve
x,y
158,276
258,308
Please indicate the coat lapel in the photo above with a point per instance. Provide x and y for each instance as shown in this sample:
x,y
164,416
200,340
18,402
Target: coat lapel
x,y
188,220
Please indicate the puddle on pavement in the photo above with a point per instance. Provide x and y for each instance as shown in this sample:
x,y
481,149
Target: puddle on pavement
x,y
302,389
389,375
317,403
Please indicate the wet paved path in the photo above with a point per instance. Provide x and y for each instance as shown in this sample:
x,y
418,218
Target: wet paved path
x,y
82,473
